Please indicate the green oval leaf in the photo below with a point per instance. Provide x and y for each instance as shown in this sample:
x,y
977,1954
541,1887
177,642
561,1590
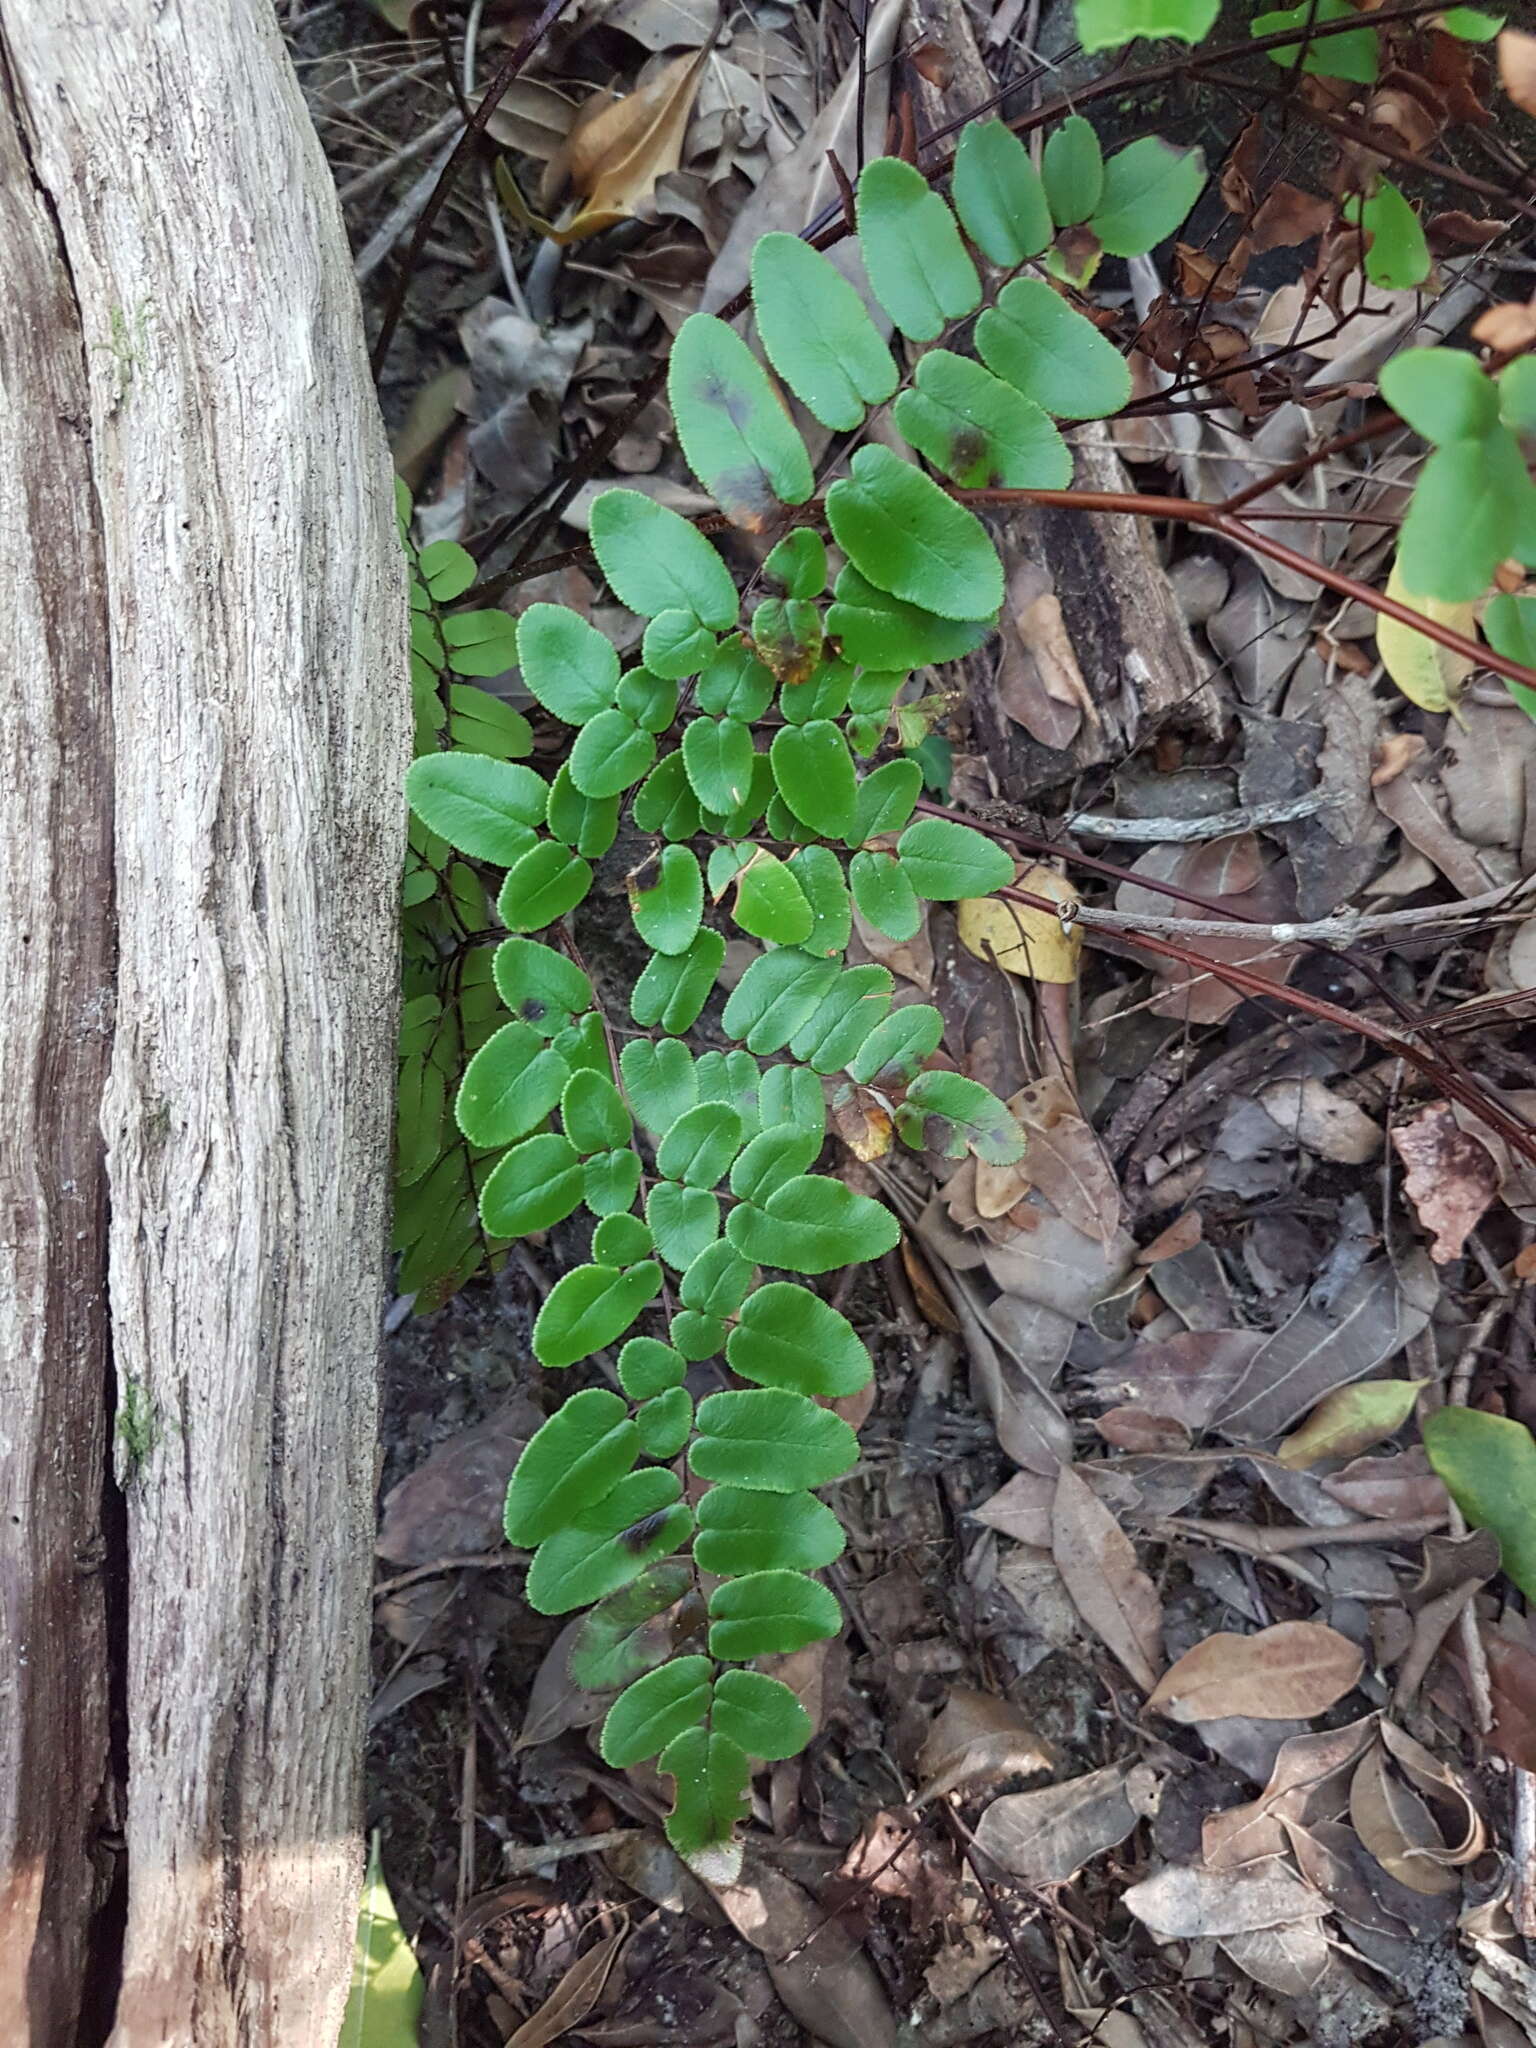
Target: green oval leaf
x,y
953,1115
710,1775
912,250
606,1546
798,563
770,1441
1045,348
649,1713
535,1185
716,1283
539,985
736,435
700,1146
1355,55
611,753
850,1010
812,1224
543,884
946,862
485,808
588,1307
775,1155
659,1080
1105,24
665,801
593,1113
717,753
908,537
587,824
655,561
482,643
1488,1463
735,684
1397,255
776,995
743,1530
665,1423
511,1084
673,989
820,875
647,1367
767,1614
610,1181
788,1337
817,334
979,430
1072,170
1149,187
815,776
882,632
697,1335
682,1220
570,667
789,1095
883,895
675,645
666,900
998,194
620,1239
572,1462
770,903
759,1713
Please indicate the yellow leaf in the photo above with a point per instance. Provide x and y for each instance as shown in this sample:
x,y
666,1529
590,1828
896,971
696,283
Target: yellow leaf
x,y
1428,674
1350,1420
387,1988
1028,942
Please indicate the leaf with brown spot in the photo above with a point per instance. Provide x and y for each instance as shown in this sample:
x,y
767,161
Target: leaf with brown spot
x,y
1451,1178
1111,1592
1289,1672
1065,1161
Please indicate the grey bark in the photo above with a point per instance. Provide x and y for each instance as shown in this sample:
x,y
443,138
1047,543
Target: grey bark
x,y
256,640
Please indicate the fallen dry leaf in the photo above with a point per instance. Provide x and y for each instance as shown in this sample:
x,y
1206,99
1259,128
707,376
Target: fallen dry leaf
x,y
1517,67
1290,1960
1021,1509
576,1995
1133,1429
1046,1837
1289,1672
1186,1378
451,1505
1065,1161
1380,1310
617,149
1181,1235
1034,944
1325,1122
1308,1783
1400,1487
1111,1592
824,1979
977,1735
1397,1827
1182,1904
1451,1178
1512,1679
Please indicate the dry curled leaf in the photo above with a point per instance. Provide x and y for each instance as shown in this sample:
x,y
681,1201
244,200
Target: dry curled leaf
x,y
1064,1159
1046,1837
1308,1783
977,1736
1451,1177
1397,1827
1289,1672
824,1979
1326,1122
576,1995
1111,1592
1517,67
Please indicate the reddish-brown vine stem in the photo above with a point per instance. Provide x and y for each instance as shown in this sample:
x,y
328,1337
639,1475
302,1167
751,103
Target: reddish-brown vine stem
x,y
1147,505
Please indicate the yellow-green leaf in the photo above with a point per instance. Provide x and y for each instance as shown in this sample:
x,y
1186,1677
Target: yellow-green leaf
x,y
1350,1420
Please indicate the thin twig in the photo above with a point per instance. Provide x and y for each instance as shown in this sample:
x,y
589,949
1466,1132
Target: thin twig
x,y
473,129
1210,825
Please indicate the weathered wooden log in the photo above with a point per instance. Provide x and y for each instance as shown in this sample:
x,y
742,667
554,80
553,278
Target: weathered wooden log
x,y
259,701
55,1024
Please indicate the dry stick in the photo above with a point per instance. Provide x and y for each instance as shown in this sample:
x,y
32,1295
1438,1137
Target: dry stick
x,y
1016,1949
1391,1041
473,129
